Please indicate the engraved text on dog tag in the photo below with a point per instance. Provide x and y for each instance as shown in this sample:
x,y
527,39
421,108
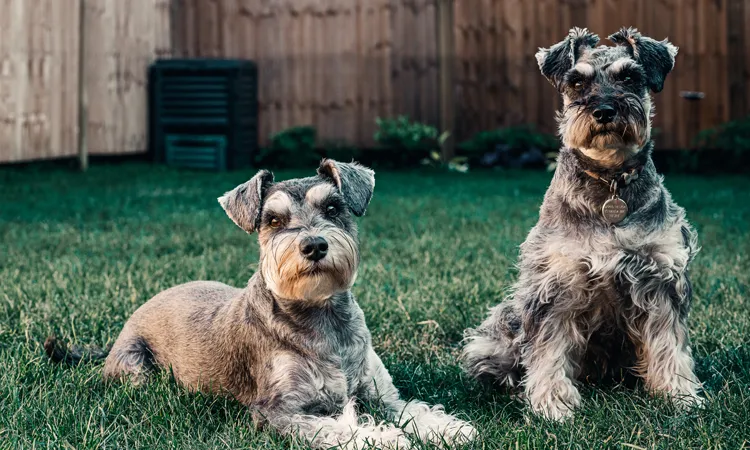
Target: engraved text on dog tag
x,y
614,210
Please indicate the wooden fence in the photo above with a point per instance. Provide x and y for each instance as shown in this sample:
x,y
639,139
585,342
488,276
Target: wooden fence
x,y
339,64
39,74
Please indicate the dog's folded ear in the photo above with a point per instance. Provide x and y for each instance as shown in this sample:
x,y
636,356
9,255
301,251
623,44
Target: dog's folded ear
x,y
556,61
355,182
656,57
243,203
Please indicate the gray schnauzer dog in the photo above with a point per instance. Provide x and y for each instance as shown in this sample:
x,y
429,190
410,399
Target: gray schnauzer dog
x,y
603,286
293,344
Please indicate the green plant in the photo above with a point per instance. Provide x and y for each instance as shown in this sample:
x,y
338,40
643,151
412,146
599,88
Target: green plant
x,y
522,137
733,135
293,147
455,164
406,142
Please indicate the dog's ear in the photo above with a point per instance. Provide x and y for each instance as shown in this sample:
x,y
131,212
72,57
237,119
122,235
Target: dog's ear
x,y
355,182
556,61
243,203
656,57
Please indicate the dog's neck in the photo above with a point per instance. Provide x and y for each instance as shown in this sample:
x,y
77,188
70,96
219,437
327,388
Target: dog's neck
x,y
576,197
606,170
302,312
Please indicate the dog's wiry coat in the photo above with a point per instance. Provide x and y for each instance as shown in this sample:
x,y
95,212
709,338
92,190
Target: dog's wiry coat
x,y
293,344
593,299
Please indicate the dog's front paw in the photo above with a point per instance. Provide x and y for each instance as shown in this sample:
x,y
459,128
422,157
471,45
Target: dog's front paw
x,y
449,430
558,403
687,399
435,426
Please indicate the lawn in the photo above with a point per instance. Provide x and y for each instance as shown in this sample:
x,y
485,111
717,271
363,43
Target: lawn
x,y
80,252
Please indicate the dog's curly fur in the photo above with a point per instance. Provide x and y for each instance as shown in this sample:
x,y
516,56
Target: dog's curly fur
x,y
592,299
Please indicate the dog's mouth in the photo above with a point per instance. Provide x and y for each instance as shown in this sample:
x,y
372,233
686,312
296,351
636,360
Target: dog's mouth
x,y
316,268
610,128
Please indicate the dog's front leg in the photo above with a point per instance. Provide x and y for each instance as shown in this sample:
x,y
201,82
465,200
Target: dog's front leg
x,y
549,357
664,356
304,400
429,424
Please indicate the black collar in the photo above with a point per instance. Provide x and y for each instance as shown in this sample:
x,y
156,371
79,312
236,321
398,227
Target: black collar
x,y
614,177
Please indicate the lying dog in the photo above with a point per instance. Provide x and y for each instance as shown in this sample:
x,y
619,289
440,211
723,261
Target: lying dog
x,y
293,345
603,284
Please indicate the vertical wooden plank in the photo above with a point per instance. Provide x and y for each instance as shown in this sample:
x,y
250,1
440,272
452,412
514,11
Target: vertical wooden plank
x,y
735,62
499,74
445,10
513,38
530,83
82,110
746,60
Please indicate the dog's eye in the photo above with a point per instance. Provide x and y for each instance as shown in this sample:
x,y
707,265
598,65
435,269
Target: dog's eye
x,y
275,222
626,79
578,86
332,211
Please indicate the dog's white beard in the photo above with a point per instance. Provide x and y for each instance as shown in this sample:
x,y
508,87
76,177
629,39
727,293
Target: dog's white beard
x,y
285,270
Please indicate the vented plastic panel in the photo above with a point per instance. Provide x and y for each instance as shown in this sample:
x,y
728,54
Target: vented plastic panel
x,y
199,152
204,98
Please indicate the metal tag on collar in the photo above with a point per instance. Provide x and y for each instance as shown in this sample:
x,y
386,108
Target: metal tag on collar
x,y
614,209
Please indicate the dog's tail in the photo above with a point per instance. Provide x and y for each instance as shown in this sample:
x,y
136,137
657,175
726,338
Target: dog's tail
x,y
59,352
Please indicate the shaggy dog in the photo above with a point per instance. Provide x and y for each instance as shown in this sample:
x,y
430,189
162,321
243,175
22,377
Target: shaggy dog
x,y
603,285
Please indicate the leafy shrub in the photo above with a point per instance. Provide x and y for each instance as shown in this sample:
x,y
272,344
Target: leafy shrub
x,y
519,146
293,147
731,140
520,137
404,142
733,135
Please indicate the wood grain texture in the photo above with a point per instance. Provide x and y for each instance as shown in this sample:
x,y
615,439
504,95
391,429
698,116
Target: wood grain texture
x,y
339,64
39,54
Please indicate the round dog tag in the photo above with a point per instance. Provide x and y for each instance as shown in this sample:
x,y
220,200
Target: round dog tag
x,y
614,210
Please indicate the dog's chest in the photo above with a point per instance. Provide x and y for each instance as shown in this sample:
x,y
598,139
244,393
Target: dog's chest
x,y
607,264
347,355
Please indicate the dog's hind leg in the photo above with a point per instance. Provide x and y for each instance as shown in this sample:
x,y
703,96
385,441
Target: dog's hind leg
x,y
491,352
429,424
131,357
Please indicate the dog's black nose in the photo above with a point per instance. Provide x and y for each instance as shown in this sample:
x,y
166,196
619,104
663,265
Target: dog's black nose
x,y
604,114
314,248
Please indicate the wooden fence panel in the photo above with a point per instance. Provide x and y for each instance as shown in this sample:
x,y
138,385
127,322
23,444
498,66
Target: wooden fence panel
x,y
38,78
39,54
122,39
333,64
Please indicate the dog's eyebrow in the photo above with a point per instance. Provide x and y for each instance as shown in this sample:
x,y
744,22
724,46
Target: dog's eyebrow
x,y
619,65
584,69
279,202
318,193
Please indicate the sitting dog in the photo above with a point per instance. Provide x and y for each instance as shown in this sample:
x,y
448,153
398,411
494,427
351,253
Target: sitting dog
x,y
293,344
603,284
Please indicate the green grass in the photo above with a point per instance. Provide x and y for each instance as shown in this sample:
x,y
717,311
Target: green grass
x,y
80,252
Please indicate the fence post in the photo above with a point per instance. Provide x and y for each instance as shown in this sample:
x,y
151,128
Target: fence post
x,y
176,29
447,99
83,114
